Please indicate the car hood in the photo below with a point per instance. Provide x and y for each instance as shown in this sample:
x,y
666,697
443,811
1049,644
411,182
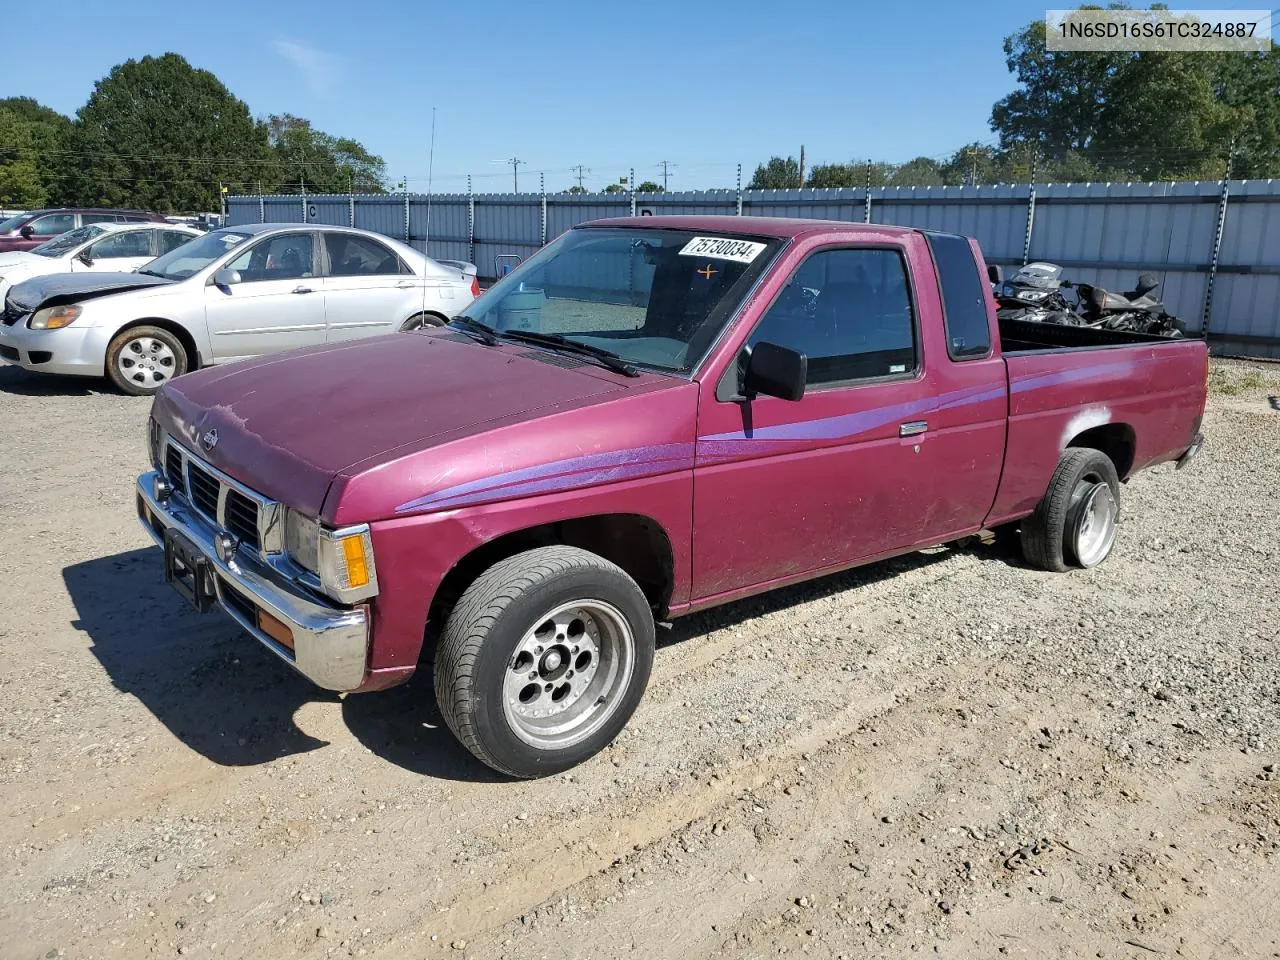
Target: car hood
x,y
288,424
75,287
16,258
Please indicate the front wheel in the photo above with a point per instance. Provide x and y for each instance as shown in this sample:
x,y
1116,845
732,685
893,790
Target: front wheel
x,y
544,660
141,360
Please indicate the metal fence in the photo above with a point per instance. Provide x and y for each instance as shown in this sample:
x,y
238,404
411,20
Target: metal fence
x,y
1214,244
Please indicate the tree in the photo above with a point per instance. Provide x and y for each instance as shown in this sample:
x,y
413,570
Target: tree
x,y
777,174
615,188
576,189
326,164
1149,114
920,172
160,134
649,187
32,141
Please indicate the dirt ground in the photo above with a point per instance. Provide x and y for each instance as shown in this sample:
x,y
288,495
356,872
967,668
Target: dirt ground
x,y
948,754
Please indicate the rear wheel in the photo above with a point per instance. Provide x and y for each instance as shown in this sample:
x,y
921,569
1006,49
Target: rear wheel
x,y
141,360
420,321
1076,522
543,660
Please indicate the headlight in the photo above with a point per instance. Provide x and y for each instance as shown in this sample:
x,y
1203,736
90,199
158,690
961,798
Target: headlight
x,y
342,559
51,318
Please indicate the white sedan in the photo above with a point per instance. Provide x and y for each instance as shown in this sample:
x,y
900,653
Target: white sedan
x,y
231,294
98,246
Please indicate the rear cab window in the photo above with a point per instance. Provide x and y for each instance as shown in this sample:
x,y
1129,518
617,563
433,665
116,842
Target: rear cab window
x,y
964,298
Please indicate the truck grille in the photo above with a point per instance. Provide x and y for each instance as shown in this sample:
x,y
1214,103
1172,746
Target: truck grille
x,y
214,496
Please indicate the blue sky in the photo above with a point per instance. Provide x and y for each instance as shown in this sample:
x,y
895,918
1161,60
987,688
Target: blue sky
x,y
702,83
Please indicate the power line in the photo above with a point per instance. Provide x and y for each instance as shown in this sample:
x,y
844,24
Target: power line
x,y
580,168
664,164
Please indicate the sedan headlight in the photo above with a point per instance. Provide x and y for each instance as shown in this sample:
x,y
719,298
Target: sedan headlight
x,y
341,559
52,318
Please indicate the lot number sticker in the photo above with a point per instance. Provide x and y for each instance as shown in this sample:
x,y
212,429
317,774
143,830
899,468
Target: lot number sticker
x,y
721,248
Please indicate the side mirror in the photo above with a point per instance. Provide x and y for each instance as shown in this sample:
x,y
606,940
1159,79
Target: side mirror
x,y
226,277
83,257
26,231
994,273
775,371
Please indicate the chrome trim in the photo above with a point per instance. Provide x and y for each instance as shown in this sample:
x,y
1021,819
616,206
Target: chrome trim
x,y
913,429
270,531
330,643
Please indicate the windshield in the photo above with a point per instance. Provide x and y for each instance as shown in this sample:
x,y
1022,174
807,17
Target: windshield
x,y
68,241
655,298
191,258
13,223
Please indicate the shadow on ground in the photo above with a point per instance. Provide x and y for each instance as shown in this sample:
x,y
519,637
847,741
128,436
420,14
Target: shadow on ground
x,y
223,695
24,383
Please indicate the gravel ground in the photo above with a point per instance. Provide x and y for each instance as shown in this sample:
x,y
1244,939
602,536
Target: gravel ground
x,y
946,754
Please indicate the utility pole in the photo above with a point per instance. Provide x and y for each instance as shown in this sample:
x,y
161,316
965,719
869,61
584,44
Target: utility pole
x,y
580,170
515,173
802,164
665,164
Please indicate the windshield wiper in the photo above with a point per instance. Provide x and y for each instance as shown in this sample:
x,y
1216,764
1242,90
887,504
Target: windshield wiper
x,y
483,332
606,358
152,273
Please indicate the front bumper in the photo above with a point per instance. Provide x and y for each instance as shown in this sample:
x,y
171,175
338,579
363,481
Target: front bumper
x,y
330,644
80,351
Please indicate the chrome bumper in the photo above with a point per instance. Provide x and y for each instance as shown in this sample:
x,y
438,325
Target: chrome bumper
x,y
1192,450
330,643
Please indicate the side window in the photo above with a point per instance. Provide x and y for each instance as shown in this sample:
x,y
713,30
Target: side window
x,y
849,311
86,218
964,297
53,224
286,257
172,240
134,243
356,256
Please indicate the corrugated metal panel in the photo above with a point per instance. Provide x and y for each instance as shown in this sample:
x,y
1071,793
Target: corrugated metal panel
x,y
1102,233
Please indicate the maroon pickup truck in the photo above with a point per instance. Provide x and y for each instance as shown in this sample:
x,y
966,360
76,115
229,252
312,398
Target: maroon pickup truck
x,y
647,418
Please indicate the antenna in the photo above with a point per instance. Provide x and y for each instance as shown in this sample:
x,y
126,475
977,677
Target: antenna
x,y
426,240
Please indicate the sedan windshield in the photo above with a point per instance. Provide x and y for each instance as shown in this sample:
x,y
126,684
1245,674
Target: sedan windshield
x,y
191,258
64,244
651,297
13,223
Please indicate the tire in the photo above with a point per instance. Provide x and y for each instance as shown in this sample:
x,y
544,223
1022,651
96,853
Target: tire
x,y
142,359
529,702
1053,535
420,321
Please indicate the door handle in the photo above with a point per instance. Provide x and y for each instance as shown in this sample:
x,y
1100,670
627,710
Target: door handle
x,y
301,289
405,285
913,428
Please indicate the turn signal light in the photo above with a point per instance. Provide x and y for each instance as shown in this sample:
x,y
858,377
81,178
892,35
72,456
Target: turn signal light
x,y
277,630
357,564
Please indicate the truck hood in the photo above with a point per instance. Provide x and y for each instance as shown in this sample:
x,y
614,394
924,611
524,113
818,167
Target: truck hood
x,y
76,287
287,424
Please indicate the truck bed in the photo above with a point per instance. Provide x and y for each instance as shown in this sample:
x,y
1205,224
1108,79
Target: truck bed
x,y
1026,336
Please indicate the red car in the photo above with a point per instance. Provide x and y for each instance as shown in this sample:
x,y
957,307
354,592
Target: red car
x,y
649,417
30,229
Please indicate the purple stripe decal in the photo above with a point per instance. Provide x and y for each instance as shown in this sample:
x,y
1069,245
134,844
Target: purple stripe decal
x,y
656,459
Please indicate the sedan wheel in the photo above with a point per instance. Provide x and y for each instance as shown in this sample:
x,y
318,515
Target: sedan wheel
x,y
143,359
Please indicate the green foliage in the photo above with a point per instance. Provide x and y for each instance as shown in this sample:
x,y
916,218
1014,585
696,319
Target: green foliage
x,y
160,134
615,188
576,189
649,187
777,174
324,163
1146,115
32,138
921,171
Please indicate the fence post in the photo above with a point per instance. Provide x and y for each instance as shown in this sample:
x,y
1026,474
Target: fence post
x,y
1217,249
406,209
471,222
542,189
739,189
1031,212
262,210
631,186
866,204
351,210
